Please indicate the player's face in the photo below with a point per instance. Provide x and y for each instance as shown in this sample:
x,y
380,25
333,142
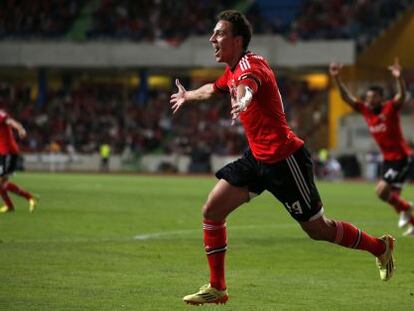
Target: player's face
x,y
226,46
373,99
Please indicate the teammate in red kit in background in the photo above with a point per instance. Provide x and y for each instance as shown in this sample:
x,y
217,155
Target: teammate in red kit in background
x,y
9,152
383,119
275,161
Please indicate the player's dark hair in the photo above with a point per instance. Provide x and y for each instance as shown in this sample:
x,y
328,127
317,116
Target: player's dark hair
x,y
241,26
378,89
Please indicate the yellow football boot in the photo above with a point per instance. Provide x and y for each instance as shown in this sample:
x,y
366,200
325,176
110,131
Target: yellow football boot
x,y
33,203
6,209
207,294
386,262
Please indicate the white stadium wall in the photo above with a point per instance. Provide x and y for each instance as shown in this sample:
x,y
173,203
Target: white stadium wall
x,y
195,51
61,162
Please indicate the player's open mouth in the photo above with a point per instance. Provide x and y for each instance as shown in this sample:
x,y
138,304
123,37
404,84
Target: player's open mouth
x,y
216,50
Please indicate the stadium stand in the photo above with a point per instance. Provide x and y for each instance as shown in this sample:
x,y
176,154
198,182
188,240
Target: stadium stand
x,y
37,19
163,22
359,20
83,116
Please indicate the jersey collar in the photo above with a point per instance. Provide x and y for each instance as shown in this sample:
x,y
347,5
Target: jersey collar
x,y
235,66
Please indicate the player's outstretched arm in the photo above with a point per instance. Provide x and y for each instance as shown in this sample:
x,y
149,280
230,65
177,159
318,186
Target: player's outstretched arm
x,y
182,96
17,126
346,95
400,96
244,97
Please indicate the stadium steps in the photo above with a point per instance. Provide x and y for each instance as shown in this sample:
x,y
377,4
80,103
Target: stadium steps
x,y
83,22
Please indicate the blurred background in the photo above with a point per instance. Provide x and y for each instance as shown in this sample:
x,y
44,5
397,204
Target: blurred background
x,y
91,80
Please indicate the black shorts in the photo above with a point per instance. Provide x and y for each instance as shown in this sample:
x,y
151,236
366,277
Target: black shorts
x,y
395,173
7,164
291,181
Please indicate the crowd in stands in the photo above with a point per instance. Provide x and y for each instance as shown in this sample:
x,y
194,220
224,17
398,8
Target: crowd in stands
x,y
154,20
357,19
81,117
171,22
37,19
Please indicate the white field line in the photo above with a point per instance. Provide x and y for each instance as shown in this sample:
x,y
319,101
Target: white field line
x,y
155,235
139,237
161,234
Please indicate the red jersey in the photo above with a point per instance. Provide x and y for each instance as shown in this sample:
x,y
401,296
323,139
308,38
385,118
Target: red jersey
x,y
268,134
385,127
8,144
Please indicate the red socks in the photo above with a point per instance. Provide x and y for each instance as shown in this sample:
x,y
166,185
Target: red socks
x,y
6,199
397,202
350,236
8,186
17,190
215,244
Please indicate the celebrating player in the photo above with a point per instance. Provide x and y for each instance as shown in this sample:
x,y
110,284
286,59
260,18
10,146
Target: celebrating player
x,y
383,119
9,151
275,161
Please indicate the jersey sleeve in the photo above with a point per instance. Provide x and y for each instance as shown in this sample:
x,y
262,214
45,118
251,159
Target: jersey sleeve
x,y
220,86
251,74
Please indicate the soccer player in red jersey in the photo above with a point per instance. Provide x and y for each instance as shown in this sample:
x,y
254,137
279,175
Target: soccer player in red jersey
x,y
383,119
9,151
275,161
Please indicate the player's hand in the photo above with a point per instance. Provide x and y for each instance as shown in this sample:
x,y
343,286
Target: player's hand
x,y
233,116
335,68
395,68
236,108
22,133
178,99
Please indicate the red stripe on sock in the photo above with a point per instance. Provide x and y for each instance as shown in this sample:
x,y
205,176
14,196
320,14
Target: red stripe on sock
x,y
215,238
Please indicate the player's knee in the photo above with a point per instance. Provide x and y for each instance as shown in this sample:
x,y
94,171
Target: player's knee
x,y
210,212
323,231
312,234
382,192
205,211
315,234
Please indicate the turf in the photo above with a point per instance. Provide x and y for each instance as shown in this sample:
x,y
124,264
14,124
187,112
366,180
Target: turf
x,y
108,242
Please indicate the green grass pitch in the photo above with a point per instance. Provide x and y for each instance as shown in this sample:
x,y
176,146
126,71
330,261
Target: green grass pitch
x,y
111,242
